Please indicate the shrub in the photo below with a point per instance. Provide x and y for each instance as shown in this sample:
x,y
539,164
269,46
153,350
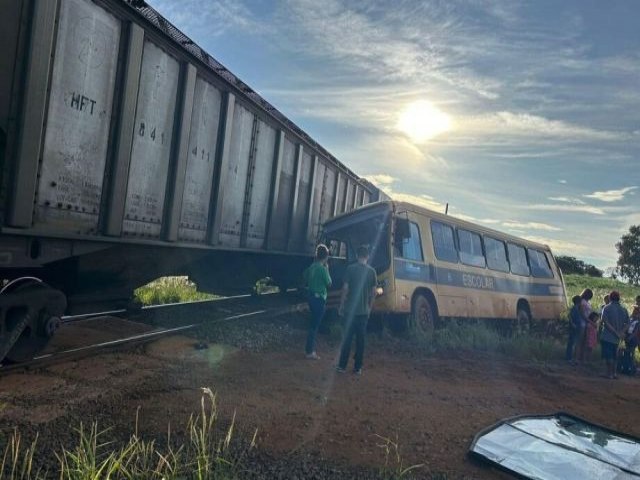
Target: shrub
x,y
170,290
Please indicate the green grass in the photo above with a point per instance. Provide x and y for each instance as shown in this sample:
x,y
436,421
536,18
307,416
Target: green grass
x,y
482,337
170,290
469,335
601,286
208,453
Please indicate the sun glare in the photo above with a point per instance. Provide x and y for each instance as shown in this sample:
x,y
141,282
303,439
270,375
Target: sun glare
x,y
421,121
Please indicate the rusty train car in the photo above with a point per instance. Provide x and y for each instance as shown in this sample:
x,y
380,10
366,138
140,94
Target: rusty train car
x,y
128,153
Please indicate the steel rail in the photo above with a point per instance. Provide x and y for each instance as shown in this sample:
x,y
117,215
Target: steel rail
x,y
222,300
78,352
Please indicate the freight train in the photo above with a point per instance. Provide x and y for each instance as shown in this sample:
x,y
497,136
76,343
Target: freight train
x,y
128,153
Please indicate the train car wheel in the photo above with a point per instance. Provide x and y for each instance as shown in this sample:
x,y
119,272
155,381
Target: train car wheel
x,y
28,345
32,316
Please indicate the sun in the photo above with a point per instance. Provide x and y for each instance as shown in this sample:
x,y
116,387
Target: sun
x,y
421,121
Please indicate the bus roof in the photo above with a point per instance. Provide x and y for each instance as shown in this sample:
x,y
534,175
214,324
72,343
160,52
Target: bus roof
x,y
398,207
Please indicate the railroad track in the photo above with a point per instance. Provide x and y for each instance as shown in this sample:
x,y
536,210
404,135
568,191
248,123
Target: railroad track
x,y
228,309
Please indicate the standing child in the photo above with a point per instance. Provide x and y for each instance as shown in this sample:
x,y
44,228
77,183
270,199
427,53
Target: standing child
x,y
591,335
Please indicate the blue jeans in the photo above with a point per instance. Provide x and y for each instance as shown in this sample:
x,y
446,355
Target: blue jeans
x,y
356,325
316,307
628,362
574,334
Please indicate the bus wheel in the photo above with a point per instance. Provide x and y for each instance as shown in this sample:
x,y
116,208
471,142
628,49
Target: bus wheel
x,y
522,323
422,316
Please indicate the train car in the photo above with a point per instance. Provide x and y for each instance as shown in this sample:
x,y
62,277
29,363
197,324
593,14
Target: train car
x,y
128,153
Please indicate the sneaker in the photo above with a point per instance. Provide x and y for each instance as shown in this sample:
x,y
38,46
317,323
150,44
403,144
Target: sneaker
x,y
312,356
340,369
357,371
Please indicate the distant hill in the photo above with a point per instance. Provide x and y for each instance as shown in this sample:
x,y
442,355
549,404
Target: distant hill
x,y
601,286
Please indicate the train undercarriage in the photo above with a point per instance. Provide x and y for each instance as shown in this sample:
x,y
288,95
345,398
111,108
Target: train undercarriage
x,y
48,278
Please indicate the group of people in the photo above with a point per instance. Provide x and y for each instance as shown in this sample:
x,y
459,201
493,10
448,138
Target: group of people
x,y
356,300
611,325
617,331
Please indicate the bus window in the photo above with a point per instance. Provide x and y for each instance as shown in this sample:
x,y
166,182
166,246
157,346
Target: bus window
x,y
409,247
539,264
496,254
470,248
444,243
518,260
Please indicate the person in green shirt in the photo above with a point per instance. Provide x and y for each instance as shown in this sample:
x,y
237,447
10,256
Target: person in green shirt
x,y
317,278
358,294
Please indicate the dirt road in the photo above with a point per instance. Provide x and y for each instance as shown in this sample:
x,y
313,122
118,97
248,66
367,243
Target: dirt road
x,y
432,406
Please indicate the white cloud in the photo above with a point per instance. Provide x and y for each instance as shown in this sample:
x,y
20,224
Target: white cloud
x,y
478,221
530,226
562,181
421,200
560,246
524,124
575,201
410,43
567,208
385,182
611,195
196,18
381,179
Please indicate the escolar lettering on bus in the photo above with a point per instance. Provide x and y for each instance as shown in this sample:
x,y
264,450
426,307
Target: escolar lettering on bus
x,y
478,281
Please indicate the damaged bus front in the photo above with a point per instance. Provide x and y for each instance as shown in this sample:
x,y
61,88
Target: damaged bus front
x,y
371,226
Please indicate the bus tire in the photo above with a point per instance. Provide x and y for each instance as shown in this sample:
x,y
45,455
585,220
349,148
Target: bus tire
x,y
423,317
522,323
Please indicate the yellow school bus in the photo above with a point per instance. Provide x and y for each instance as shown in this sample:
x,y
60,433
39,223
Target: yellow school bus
x,y
435,266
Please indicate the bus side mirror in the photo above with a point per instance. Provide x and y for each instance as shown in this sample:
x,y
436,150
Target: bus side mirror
x,y
402,229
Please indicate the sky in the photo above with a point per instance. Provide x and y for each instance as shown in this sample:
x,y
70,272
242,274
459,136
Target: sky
x,y
523,116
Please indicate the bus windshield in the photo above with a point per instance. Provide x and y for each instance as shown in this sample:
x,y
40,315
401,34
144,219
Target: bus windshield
x,y
345,236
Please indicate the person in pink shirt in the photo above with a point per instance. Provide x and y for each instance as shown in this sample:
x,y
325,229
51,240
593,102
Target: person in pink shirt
x,y
591,335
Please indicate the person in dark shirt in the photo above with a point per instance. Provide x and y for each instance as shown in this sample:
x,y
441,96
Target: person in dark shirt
x,y
575,320
615,319
358,294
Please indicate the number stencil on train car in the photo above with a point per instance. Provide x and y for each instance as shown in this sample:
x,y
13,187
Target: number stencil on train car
x,y
298,227
235,177
79,117
260,189
279,231
203,139
316,201
152,137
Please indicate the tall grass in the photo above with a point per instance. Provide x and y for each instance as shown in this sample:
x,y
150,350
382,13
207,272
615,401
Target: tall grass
x,y
208,453
601,286
170,290
17,461
394,467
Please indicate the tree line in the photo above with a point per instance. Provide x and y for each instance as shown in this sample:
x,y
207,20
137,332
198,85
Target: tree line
x,y
627,267
573,265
